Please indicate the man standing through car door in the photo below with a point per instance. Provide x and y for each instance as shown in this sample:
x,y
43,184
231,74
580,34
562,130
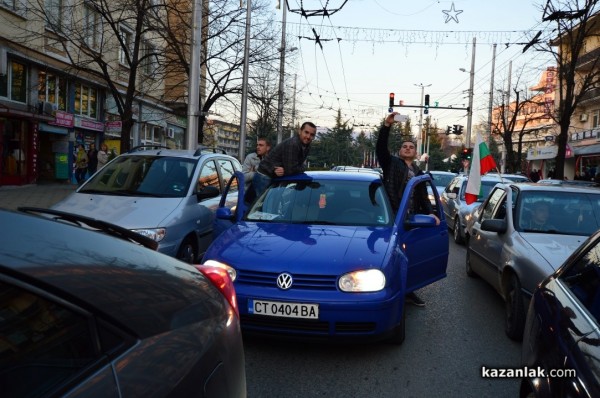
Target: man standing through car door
x,y
397,170
263,146
288,157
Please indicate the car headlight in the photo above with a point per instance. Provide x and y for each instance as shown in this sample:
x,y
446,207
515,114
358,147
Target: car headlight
x,y
467,217
230,270
370,280
156,234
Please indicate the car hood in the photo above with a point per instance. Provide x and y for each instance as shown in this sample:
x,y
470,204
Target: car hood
x,y
297,248
126,211
555,249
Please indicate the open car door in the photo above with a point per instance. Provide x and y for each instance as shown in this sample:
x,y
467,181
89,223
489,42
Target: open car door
x,y
425,244
227,216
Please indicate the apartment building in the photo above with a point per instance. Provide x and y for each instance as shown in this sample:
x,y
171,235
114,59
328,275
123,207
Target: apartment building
x,y
54,94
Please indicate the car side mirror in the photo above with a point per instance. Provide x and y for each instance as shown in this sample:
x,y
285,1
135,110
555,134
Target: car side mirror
x,y
224,213
451,195
494,225
419,221
207,192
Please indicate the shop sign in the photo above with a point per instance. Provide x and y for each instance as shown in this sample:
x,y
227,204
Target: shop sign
x,y
63,119
545,152
114,127
89,124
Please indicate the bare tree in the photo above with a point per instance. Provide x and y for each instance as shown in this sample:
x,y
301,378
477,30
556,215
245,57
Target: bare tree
x,y
575,28
223,41
513,120
111,43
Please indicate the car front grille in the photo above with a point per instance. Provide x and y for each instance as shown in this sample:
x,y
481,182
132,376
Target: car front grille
x,y
301,281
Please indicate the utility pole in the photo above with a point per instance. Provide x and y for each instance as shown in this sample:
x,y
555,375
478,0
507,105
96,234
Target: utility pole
x,y
420,142
194,82
506,115
294,107
470,111
281,78
243,117
491,96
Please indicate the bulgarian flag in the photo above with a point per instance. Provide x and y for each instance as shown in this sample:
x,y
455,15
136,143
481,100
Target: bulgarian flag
x,y
481,163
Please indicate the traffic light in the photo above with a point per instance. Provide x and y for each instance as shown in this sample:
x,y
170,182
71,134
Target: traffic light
x,y
391,100
457,129
426,110
467,153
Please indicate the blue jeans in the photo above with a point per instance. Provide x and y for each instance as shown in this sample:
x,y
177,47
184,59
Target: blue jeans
x,y
260,182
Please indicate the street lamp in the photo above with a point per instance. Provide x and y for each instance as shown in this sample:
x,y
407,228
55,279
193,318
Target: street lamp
x,y
281,77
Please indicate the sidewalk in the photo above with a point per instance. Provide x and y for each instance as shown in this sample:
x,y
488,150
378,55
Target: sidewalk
x,y
34,195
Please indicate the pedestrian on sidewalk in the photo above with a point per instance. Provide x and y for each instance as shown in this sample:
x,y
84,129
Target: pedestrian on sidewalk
x,y
81,164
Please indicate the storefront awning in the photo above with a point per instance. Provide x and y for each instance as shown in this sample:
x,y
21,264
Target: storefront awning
x,y
587,150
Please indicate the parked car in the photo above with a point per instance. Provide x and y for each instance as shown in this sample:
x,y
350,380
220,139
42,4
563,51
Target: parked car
x,y
166,194
85,314
320,255
456,210
562,331
522,233
440,180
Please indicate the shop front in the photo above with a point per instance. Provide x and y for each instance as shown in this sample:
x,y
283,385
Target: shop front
x,y
19,146
54,162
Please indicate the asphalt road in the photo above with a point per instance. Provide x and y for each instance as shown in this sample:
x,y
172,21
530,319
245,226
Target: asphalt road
x,y
447,342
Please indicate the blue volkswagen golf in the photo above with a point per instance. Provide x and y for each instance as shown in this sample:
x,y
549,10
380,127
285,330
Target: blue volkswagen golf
x,y
321,255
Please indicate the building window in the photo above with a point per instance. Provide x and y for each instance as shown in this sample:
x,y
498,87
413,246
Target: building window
x,y
149,60
53,89
13,5
13,85
54,14
86,101
595,118
126,46
92,25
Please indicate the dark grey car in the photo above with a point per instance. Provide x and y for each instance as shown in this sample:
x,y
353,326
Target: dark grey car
x,y
84,314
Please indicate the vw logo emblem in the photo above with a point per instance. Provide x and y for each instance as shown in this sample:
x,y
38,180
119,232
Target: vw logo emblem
x,y
284,281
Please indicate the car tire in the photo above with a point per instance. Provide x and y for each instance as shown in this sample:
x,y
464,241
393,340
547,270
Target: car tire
x,y
399,332
468,268
456,231
515,309
187,251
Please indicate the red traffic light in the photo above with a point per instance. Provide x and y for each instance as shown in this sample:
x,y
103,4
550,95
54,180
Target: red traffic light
x,y
391,100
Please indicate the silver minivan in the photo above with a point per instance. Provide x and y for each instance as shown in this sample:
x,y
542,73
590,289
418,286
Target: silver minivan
x,y
166,194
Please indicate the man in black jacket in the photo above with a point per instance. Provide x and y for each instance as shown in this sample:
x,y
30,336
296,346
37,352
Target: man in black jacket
x,y
288,157
397,170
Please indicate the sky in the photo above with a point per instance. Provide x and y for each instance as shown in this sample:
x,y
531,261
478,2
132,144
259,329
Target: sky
x,y
369,48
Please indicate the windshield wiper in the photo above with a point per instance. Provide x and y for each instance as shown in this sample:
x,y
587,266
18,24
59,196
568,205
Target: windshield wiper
x,y
108,228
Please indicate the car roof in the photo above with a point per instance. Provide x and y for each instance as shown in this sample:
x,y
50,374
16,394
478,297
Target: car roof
x,y
532,186
442,172
333,175
181,153
98,271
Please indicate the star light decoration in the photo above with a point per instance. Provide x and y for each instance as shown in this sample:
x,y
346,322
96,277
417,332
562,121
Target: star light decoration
x,y
452,13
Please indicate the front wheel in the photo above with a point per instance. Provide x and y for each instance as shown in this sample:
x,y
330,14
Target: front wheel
x,y
515,309
468,268
187,252
399,333
456,231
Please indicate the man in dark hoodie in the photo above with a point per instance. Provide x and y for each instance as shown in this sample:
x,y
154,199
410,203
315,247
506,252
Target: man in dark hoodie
x,y
288,157
397,170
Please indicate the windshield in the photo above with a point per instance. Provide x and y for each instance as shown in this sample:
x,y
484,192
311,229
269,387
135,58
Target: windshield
x,y
323,202
486,187
567,213
155,176
441,180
